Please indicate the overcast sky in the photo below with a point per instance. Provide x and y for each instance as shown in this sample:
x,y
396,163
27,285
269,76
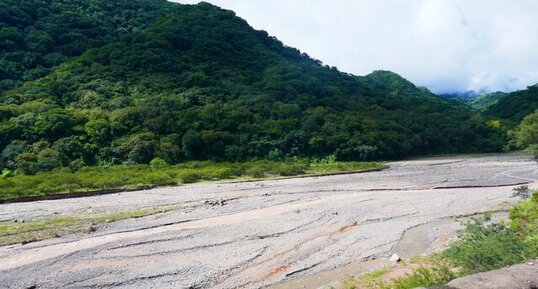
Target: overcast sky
x,y
445,45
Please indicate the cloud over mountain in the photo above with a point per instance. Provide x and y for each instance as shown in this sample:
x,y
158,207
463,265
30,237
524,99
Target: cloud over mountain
x,y
446,45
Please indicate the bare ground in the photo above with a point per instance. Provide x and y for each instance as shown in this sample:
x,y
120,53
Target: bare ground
x,y
258,234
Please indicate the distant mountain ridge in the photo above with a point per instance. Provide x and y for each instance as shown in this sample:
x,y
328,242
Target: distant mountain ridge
x,y
512,106
483,102
479,102
470,94
516,105
395,84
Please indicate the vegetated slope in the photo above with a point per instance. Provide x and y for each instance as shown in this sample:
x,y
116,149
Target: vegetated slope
x,y
483,102
477,101
38,35
200,83
516,105
461,96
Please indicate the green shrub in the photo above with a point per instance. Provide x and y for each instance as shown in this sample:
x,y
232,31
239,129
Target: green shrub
x,y
275,155
256,172
26,163
161,179
524,217
290,169
532,242
158,163
6,173
482,246
194,165
76,165
331,159
131,176
522,192
222,173
485,246
69,188
190,177
438,274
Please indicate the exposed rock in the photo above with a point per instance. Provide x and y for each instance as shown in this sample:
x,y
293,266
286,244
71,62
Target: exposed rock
x,y
523,276
395,258
213,203
89,228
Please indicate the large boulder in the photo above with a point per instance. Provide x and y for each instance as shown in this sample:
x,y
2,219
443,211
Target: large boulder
x,y
523,276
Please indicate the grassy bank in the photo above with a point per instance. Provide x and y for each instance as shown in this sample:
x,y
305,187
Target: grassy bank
x,y
140,176
482,246
46,228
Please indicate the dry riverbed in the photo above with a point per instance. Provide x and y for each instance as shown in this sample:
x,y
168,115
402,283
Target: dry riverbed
x,y
259,234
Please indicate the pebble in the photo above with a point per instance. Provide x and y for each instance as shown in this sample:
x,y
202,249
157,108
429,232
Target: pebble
x,y
395,258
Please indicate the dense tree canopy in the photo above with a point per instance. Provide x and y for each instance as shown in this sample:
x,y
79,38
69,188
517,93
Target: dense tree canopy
x,y
516,105
134,80
525,136
38,35
483,102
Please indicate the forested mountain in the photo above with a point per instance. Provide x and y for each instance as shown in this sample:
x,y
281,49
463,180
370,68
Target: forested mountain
x,y
136,79
480,102
393,84
483,102
516,105
37,35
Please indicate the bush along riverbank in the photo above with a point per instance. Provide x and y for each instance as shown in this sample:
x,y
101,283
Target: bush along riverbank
x,y
159,173
482,246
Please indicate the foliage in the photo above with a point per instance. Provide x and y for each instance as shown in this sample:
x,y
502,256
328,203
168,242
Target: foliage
x,y
482,246
335,166
158,163
525,218
275,155
430,272
158,173
522,192
122,82
485,246
483,102
7,173
525,136
436,274
367,281
516,105
36,36
41,229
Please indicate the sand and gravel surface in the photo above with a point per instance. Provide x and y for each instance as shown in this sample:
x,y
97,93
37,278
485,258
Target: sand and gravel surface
x,y
265,233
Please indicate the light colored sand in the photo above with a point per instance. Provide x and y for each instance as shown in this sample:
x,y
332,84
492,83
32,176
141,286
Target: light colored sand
x,y
268,232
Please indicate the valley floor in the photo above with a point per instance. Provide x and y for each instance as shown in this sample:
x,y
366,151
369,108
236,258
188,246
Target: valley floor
x,y
258,234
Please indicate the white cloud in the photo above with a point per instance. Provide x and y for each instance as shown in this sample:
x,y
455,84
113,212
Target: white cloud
x,y
445,45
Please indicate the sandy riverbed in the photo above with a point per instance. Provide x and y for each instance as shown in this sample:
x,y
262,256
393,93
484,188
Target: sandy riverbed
x,y
266,233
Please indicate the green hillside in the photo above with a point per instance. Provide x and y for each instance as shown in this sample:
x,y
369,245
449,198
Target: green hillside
x,y
483,102
516,105
38,35
145,79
